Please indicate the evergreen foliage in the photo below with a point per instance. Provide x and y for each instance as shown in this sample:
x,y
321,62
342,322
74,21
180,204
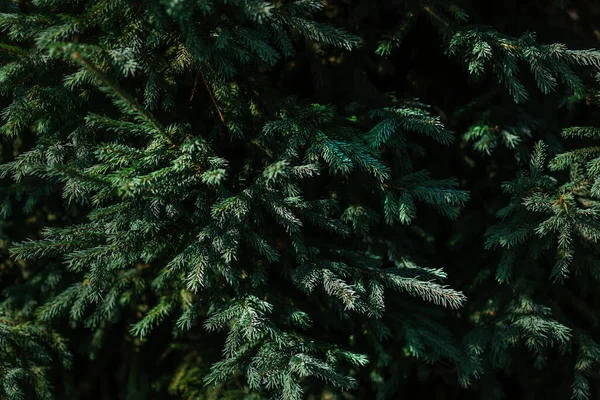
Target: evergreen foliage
x,y
297,199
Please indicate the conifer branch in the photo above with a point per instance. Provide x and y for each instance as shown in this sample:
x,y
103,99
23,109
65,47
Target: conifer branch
x,y
13,50
123,96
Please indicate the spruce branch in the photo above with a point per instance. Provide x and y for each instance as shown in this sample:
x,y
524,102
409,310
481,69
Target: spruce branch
x,y
13,50
124,96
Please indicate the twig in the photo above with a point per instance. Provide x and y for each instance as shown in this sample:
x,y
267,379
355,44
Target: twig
x,y
195,84
213,98
435,16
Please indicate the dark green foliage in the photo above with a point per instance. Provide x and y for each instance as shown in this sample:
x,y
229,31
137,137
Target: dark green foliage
x,y
297,199
27,353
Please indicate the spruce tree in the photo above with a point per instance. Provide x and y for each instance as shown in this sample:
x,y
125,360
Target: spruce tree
x,y
256,199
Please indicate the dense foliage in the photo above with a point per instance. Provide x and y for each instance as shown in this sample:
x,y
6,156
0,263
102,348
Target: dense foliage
x,y
211,199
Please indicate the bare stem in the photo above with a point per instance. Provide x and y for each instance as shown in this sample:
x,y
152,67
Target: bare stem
x,y
213,99
430,11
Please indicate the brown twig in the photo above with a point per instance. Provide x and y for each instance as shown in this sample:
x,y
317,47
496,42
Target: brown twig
x,y
213,99
430,11
195,84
